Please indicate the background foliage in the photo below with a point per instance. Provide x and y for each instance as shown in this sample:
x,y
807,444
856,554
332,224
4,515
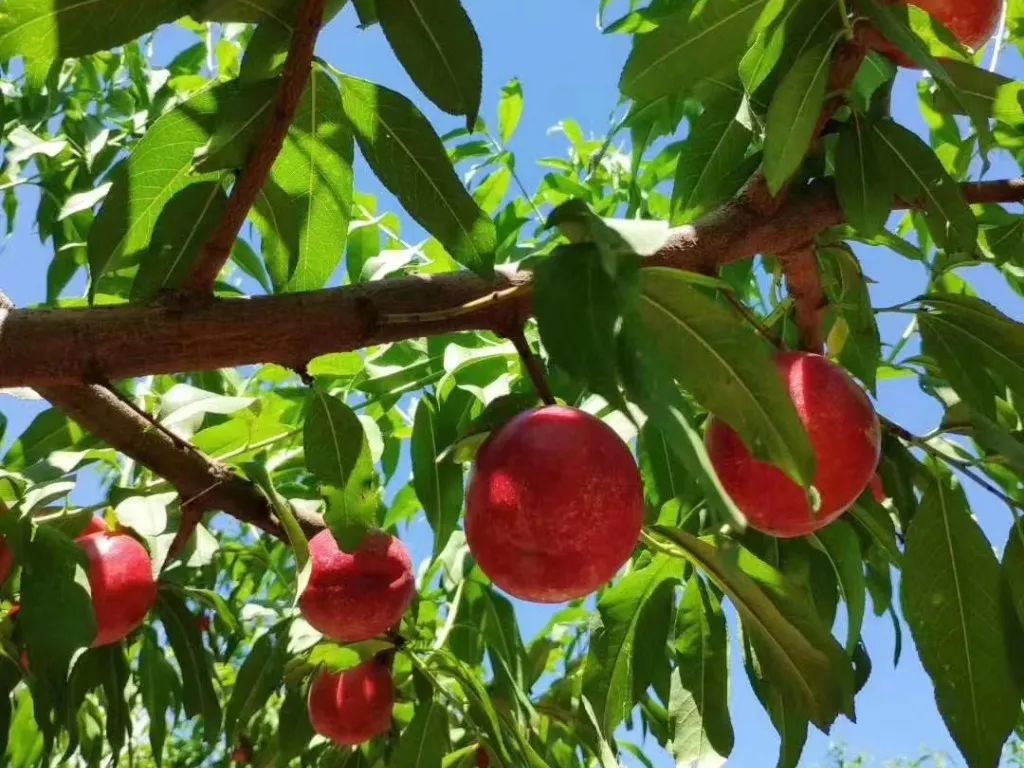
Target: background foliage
x,y
134,163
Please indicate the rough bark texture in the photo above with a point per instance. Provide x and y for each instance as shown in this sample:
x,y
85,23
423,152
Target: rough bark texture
x,y
803,280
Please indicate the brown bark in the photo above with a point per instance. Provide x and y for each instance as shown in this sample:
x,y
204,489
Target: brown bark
x,y
803,280
42,347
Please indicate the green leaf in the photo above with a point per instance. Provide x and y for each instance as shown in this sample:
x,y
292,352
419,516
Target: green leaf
x,y
303,211
510,109
54,573
425,740
44,31
439,49
25,744
181,230
862,181
1013,569
436,478
576,304
797,652
631,644
984,94
979,349
50,431
702,733
157,682
712,163
800,25
950,592
159,167
409,159
689,46
728,367
653,389
114,669
902,25
294,729
258,678
338,454
839,543
857,341
793,115
198,695
919,175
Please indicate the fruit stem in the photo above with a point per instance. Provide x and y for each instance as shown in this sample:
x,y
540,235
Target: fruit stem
x,y
533,367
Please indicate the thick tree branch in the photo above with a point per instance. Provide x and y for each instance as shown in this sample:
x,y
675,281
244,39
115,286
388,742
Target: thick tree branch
x,y
803,279
294,79
41,347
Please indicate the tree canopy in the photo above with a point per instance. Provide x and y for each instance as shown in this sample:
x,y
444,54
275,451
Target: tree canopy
x,y
260,354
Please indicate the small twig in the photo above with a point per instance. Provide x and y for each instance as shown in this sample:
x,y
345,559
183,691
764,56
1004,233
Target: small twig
x,y
294,79
533,367
803,279
962,467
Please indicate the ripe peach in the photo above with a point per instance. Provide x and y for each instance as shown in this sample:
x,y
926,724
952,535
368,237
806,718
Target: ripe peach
x,y
96,525
121,579
555,505
353,707
877,489
355,597
972,22
844,432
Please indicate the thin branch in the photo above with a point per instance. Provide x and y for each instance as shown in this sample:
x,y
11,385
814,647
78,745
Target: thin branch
x,y
294,80
533,367
803,280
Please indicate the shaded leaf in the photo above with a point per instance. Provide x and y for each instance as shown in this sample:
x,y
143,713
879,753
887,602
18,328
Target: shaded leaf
x,y
436,478
950,591
410,160
439,49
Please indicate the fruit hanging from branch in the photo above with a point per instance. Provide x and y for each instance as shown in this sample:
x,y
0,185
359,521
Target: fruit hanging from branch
x,y
555,505
846,436
122,584
355,597
973,22
353,707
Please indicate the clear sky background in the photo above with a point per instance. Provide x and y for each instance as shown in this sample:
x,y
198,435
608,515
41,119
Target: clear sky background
x,y
570,70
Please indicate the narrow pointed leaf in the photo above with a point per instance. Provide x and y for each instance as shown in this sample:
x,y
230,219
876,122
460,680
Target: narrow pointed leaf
x,y
436,43
951,594
409,159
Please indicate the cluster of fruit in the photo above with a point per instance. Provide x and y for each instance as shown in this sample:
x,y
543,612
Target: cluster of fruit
x,y
555,508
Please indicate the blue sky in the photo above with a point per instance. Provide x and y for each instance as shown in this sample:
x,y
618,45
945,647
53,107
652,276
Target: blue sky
x,y
570,70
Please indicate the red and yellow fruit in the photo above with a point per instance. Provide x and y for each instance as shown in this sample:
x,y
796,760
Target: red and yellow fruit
x,y
844,432
555,505
353,707
355,597
122,584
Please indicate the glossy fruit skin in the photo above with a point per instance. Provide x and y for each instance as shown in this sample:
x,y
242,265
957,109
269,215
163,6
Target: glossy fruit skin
x,y
95,525
353,707
355,597
846,437
122,583
972,22
555,505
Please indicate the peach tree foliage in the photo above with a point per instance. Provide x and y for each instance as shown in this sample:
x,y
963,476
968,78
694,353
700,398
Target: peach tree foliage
x,y
134,164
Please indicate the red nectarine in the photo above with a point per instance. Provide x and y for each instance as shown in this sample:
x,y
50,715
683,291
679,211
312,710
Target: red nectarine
x,y
353,707
972,22
355,597
122,583
555,505
844,432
